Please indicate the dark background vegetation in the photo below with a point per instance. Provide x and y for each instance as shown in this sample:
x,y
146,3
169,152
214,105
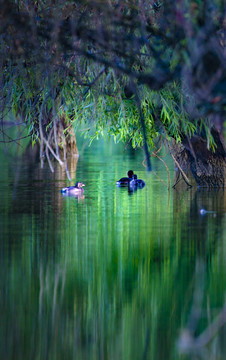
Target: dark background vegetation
x,y
142,71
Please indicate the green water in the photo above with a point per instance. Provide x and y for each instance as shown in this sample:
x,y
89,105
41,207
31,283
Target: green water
x,y
112,275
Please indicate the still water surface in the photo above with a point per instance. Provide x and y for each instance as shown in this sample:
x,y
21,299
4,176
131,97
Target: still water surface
x,y
112,275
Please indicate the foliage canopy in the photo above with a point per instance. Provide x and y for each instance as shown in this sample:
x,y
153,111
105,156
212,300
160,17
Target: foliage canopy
x,y
104,63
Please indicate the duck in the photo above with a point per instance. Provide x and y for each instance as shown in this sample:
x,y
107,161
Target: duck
x,y
136,182
74,190
204,212
125,180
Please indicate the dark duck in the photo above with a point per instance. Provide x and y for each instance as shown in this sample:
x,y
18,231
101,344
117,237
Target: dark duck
x,y
136,182
76,190
125,180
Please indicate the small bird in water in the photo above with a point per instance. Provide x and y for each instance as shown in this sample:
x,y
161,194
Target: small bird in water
x,y
76,190
204,212
136,182
125,180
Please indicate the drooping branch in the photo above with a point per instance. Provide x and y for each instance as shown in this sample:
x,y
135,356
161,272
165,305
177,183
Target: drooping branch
x,y
14,140
142,121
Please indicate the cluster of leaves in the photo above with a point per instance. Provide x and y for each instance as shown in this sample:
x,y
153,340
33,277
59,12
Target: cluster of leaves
x,y
103,110
106,111
75,61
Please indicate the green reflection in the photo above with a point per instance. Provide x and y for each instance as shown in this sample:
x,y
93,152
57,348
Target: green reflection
x,y
110,276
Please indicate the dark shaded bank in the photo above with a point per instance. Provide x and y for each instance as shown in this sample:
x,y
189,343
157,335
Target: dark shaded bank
x,y
207,166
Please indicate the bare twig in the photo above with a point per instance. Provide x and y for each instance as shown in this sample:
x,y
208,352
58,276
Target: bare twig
x,y
41,134
127,144
178,165
52,151
65,152
49,161
156,152
160,179
177,180
94,80
167,169
44,141
13,140
55,121
47,155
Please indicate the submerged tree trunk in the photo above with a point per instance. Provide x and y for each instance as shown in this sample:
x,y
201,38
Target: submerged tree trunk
x,y
68,137
208,167
57,141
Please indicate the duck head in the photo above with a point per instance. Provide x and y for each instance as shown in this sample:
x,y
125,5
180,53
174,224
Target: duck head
x,y
79,185
130,174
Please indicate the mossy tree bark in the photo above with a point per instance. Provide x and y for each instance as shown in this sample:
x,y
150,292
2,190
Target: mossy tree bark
x,y
208,167
68,137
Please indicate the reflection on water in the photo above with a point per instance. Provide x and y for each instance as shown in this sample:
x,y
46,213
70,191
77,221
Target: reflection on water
x,y
113,275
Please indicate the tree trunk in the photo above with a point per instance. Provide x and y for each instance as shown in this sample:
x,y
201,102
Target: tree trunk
x,y
69,138
207,167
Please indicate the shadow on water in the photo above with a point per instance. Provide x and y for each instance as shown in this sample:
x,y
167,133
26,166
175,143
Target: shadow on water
x,y
112,276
